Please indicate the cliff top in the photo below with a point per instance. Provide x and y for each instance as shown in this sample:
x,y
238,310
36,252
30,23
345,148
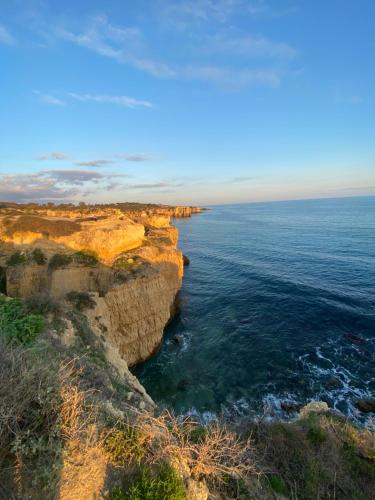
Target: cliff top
x,y
69,210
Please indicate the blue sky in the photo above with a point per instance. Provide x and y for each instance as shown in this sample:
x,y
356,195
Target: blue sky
x,y
190,101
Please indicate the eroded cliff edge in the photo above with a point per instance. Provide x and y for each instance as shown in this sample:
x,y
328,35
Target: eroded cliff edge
x,y
123,259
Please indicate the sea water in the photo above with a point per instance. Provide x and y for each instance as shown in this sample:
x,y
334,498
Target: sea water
x,y
278,304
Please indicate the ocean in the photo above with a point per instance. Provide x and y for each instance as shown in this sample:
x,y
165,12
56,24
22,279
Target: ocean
x,y
277,305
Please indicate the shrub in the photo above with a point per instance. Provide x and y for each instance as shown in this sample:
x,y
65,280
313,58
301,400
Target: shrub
x,y
42,304
123,263
124,444
316,435
16,259
165,484
278,486
38,256
59,260
16,324
81,300
120,278
212,453
85,258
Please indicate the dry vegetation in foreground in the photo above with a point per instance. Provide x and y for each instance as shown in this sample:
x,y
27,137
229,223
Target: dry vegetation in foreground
x,y
65,430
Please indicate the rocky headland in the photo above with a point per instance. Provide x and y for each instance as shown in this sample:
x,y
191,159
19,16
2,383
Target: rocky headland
x,y
125,259
85,293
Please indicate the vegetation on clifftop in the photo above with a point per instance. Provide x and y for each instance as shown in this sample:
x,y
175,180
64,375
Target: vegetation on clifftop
x,y
17,324
57,402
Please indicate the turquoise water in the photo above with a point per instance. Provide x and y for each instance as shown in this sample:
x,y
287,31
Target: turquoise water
x,y
270,304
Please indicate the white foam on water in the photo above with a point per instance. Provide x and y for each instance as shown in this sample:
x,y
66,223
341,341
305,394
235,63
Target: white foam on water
x,y
342,397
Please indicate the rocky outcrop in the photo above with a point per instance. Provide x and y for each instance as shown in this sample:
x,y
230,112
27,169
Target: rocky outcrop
x,y
131,268
106,238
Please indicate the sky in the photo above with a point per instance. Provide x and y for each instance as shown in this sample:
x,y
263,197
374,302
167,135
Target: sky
x,y
186,101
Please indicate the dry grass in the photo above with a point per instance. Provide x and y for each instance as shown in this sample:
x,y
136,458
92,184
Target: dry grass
x,y
52,228
41,409
213,452
322,456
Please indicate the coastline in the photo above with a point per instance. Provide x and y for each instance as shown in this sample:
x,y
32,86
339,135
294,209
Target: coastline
x,y
124,257
96,288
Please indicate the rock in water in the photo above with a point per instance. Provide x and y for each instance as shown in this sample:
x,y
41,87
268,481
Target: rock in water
x,y
365,405
354,339
332,383
186,260
290,406
183,385
314,407
177,339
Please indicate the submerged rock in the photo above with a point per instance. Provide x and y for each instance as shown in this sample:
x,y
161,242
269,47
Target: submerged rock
x,y
365,405
353,339
332,383
183,385
177,339
290,406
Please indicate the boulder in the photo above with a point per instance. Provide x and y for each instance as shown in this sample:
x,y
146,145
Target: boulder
x,y
313,407
177,339
290,406
353,339
332,383
365,405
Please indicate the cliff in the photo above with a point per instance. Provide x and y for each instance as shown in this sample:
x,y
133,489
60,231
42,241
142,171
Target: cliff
x,y
129,264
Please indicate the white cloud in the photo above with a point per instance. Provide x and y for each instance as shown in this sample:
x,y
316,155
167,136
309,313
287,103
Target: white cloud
x,y
56,184
5,36
186,11
73,177
120,100
136,157
27,187
154,185
49,99
94,163
234,79
55,155
248,47
127,46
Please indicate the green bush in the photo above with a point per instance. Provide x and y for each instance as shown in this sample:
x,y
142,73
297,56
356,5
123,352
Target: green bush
x,y
123,263
197,433
278,486
81,300
124,445
16,259
164,485
85,258
43,304
316,435
16,324
38,256
59,260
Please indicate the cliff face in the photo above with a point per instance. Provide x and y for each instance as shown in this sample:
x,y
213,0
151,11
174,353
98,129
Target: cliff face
x,y
130,267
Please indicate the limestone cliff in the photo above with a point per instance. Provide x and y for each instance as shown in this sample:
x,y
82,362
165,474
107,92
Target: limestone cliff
x,y
129,264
